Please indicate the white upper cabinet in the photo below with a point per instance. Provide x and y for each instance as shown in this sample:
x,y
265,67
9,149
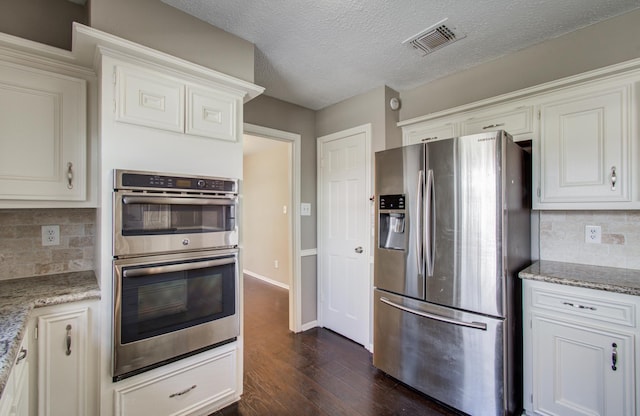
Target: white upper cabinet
x,y
585,146
43,135
153,99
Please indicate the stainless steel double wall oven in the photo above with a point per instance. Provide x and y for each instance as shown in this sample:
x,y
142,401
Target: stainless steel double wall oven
x,y
175,268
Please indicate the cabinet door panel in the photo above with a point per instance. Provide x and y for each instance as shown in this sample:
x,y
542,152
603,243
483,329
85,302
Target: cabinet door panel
x,y
62,367
573,370
211,114
43,135
584,149
518,122
150,99
435,131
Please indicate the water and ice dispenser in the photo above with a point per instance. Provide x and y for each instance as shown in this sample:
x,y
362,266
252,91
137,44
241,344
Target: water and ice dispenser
x,y
391,228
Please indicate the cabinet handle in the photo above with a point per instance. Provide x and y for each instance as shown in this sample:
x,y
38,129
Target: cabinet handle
x,y
185,391
426,139
68,352
614,356
22,355
614,178
574,305
490,126
70,175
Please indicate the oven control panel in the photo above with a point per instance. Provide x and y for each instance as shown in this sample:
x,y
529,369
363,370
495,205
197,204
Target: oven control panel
x,y
157,181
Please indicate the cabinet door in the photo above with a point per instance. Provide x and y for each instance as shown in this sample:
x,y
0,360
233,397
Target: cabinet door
x,y
43,135
211,114
149,99
584,148
579,370
430,131
518,122
62,366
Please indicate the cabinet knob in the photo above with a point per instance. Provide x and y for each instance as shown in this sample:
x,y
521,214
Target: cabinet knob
x,y
22,355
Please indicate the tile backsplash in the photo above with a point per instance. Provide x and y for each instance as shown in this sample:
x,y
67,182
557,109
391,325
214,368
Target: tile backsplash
x,y
22,253
562,238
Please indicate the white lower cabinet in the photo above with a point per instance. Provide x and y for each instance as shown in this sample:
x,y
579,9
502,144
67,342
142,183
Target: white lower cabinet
x,y
64,360
579,351
199,386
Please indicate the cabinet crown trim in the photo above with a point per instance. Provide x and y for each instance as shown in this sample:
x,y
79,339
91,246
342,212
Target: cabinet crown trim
x,y
86,42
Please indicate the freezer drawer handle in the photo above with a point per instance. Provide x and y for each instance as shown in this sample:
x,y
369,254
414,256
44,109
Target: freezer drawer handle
x,y
476,325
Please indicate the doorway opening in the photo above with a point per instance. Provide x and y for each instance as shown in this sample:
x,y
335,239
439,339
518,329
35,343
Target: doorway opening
x,y
270,201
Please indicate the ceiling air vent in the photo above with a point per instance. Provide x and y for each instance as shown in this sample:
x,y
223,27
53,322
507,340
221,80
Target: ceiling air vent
x,y
434,38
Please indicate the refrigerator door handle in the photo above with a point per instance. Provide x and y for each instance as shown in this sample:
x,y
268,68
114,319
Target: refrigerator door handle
x,y
430,224
475,325
419,206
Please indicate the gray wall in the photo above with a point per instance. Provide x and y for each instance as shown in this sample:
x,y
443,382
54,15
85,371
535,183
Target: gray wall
x,y
162,27
612,41
270,112
44,21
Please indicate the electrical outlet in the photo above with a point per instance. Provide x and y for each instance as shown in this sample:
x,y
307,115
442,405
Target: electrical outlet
x,y
592,234
50,235
305,209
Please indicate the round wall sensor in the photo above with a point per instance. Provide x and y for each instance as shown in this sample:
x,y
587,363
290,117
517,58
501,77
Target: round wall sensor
x,y
394,103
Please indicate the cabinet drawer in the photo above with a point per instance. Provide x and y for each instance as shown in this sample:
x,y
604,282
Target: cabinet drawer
x,y
587,305
181,392
517,121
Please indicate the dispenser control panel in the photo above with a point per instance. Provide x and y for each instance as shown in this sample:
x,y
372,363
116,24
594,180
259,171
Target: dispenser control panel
x,y
391,201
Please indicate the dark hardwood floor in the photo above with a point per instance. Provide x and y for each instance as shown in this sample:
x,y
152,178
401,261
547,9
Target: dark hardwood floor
x,y
317,372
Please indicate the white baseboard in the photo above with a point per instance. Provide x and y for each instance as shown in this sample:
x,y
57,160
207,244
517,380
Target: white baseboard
x,y
309,325
266,279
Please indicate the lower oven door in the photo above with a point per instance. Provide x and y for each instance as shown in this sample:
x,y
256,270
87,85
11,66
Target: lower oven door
x,y
167,307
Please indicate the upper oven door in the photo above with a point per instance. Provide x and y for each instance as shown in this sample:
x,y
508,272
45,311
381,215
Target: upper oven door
x,y
148,223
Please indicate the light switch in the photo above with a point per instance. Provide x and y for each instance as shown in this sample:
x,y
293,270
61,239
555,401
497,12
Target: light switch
x,y
305,209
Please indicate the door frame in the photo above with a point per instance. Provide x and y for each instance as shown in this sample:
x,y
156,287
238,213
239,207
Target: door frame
x,y
321,141
295,292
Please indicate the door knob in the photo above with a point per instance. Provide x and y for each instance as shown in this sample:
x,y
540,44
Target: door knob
x,y
359,250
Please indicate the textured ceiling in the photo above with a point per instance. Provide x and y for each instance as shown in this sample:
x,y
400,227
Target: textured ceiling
x,y
316,53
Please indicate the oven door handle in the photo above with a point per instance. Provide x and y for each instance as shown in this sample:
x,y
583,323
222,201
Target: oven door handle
x,y
147,271
168,200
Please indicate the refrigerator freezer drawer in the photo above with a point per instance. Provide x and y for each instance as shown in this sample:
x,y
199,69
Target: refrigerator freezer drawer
x,y
452,356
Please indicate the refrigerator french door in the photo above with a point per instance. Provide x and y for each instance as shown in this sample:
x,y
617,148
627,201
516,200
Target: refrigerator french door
x,y
452,227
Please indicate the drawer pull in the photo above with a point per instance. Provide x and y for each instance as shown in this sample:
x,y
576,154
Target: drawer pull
x,y
22,355
574,305
614,178
185,391
490,126
614,356
426,139
68,351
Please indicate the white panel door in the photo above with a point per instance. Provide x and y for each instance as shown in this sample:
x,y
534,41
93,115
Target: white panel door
x,y
344,249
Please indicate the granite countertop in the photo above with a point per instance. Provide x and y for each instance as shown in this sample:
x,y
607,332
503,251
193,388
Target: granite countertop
x,y
610,279
18,297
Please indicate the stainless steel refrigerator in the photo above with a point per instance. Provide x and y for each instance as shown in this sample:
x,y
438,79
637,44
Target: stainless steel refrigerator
x,y
452,231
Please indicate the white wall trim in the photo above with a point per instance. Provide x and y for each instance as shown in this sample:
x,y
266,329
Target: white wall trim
x,y
266,279
309,325
295,289
309,252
